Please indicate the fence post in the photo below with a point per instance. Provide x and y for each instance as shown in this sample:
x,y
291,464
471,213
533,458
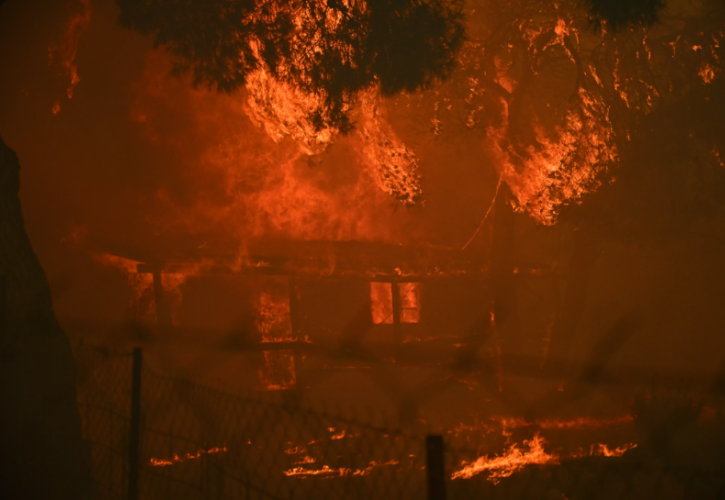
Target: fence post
x,y
135,431
435,469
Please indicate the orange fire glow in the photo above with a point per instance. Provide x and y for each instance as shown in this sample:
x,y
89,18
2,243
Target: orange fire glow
x,y
409,302
707,73
605,451
393,166
566,164
161,462
574,423
381,302
328,472
505,465
516,459
284,112
254,180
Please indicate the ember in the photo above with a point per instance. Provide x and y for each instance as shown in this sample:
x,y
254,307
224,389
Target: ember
x,y
160,462
327,472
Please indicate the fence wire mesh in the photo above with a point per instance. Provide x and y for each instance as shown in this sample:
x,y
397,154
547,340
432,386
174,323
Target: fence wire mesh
x,y
200,443
104,402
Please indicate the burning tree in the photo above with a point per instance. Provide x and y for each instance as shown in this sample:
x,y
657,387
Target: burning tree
x,y
330,50
614,130
307,64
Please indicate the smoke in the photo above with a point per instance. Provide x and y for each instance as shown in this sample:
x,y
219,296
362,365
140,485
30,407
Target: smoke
x,y
63,54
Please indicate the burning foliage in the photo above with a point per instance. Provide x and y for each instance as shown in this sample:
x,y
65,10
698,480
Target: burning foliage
x,y
333,50
284,112
393,166
562,167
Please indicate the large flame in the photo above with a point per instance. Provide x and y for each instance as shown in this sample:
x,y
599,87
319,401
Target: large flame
x,y
256,181
565,164
393,166
284,112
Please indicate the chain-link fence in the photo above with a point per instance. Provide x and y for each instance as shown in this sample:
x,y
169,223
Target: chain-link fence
x,y
195,442
155,437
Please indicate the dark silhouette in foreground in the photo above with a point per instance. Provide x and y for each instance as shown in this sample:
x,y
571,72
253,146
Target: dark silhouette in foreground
x,y
41,450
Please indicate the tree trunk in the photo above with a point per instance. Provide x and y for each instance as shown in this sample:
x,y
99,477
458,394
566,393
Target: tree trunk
x,y
41,448
503,286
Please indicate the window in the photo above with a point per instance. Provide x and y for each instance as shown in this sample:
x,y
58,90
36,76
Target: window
x,y
381,302
409,302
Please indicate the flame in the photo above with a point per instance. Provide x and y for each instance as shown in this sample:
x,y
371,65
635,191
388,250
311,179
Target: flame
x,y
409,302
393,166
67,49
250,186
160,462
505,465
296,450
566,164
285,112
339,435
329,472
707,73
604,450
381,302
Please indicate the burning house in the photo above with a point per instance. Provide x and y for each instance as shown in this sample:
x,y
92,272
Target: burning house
x,y
297,315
